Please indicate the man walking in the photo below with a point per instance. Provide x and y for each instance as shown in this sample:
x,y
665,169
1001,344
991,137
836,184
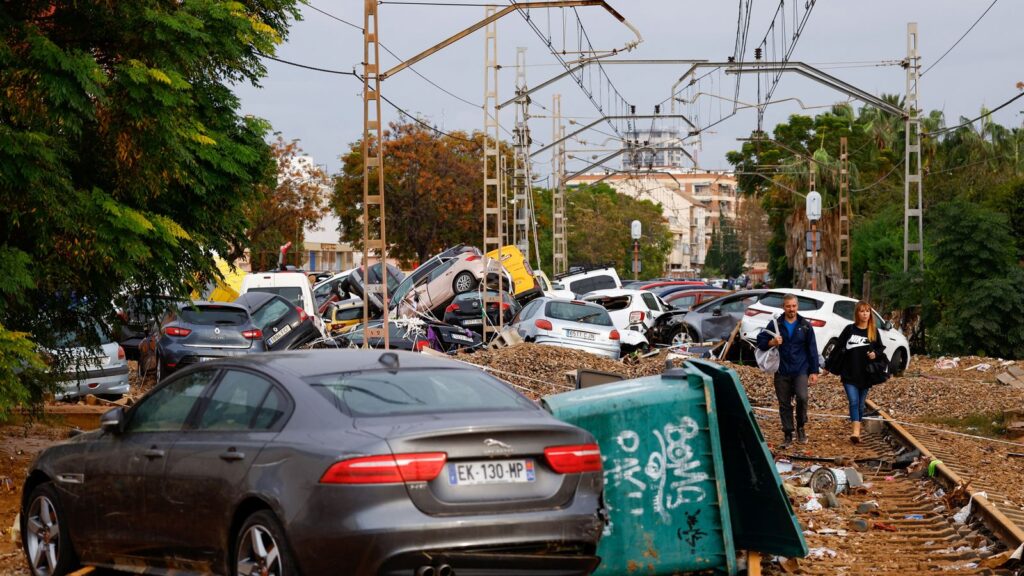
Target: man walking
x,y
798,366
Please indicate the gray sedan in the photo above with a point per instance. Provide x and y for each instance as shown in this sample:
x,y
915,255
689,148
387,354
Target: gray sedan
x,y
708,322
320,462
569,324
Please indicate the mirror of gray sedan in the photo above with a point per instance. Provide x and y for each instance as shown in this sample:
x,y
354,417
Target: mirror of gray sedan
x,y
113,420
887,325
717,311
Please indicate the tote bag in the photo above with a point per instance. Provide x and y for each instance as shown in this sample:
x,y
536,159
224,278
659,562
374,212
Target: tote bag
x,y
768,360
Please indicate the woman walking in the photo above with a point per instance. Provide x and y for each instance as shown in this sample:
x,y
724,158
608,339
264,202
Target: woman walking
x,y
857,346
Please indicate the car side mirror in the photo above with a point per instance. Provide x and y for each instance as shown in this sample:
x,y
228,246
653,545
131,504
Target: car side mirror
x,y
113,420
717,311
887,325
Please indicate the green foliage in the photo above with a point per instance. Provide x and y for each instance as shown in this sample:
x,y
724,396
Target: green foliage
x,y
725,256
124,164
18,358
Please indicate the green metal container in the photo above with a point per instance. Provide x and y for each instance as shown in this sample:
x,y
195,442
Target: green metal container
x,y
670,452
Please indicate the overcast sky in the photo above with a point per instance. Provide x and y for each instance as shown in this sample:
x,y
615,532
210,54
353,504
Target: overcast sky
x,y
848,39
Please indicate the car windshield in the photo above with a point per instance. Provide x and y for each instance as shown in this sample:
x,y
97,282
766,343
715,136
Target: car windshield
x,y
270,313
72,340
291,293
213,315
592,283
774,300
578,313
416,391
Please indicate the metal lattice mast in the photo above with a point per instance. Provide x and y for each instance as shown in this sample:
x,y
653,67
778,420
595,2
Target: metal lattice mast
x,y
521,171
811,187
374,238
844,217
559,257
913,184
493,177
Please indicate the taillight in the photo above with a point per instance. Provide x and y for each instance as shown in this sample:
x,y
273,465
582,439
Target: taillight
x,y
123,316
176,331
505,306
754,312
302,314
817,323
421,344
472,257
614,335
120,353
543,324
574,459
255,334
387,469
451,308
635,317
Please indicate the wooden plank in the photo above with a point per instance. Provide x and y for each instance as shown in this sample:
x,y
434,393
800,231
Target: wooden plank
x,y
1006,379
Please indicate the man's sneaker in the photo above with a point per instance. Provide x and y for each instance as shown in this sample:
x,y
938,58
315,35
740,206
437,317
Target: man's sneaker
x,y
801,436
786,441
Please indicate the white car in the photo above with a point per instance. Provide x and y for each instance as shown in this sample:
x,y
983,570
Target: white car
x,y
630,308
293,286
580,281
101,370
828,314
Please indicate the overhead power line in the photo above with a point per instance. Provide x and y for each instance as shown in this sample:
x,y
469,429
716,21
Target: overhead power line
x,y
307,67
961,38
972,121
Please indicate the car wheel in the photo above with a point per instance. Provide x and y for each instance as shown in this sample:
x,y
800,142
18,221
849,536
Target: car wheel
x,y
44,532
681,336
898,363
159,369
261,547
464,282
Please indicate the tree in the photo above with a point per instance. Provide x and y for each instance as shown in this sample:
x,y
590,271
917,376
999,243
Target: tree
x,y
298,199
124,164
434,187
725,257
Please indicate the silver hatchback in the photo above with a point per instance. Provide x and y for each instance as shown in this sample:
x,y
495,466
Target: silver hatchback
x,y
569,324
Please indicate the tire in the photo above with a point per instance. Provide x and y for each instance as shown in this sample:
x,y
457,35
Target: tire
x,y
463,282
898,363
159,369
48,552
681,335
261,548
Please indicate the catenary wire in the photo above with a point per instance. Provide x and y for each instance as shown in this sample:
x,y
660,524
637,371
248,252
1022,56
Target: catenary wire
x,y
961,38
972,121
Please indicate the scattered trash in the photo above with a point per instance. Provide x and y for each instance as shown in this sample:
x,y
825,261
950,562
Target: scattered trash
x,y
980,367
16,530
788,565
884,526
798,492
859,524
931,468
830,500
961,516
890,478
944,363
867,507
820,553
783,466
828,480
914,517
811,505
853,477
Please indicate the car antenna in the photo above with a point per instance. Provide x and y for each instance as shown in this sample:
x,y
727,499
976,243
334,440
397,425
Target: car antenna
x,y
389,359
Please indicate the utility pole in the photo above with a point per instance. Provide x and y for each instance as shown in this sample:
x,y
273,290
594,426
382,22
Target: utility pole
x,y
560,258
374,238
493,177
521,184
844,218
813,215
913,183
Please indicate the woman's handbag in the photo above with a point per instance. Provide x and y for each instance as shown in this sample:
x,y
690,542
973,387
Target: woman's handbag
x,y
768,360
877,370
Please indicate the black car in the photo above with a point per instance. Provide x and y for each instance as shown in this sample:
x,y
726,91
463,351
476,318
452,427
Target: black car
x,y
414,335
320,462
355,283
202,331
466,310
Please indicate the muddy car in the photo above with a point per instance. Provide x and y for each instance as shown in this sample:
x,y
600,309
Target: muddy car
x,y
431,287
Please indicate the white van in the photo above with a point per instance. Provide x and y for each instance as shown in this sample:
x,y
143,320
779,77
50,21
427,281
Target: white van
x,y
293,286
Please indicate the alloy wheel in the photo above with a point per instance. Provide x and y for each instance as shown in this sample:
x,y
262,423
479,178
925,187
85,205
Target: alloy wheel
x,y
682,336
258,553
42,538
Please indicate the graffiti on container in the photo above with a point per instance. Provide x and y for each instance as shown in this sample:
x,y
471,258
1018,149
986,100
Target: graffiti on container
x,y
669,478
692,534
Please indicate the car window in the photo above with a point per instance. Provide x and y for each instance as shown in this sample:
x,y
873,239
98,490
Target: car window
x,y
878,320
350,313
214,315
844,309
440,270
612,303
542,284
527,311
291,293
734,305
414,391
578,313
270,313
235,402
168,407
774,300
585,285
650,300
683,302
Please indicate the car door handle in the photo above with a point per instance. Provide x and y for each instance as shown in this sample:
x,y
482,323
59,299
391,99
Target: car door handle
x,y
153,453
231,455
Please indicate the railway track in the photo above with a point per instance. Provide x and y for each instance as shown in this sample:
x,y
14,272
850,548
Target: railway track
x,y
912,531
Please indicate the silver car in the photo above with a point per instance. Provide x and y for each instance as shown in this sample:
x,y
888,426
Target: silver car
x,y
569,324
100,370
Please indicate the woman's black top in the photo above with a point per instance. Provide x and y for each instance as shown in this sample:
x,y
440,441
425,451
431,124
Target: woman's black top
x,y
849,359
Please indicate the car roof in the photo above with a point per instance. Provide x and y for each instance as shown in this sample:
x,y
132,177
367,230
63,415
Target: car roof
x,y
305,363
197,303
253,300
616,292
816,294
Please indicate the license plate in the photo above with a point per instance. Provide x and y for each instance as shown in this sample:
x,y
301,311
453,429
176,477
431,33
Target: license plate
x,y
491,472
207,358
473,322
579,334
280,334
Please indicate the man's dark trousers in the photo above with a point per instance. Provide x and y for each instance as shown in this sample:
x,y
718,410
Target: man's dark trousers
x,y
788,387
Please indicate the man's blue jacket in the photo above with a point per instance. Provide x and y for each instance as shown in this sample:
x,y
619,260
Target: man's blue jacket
x,y
798,354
